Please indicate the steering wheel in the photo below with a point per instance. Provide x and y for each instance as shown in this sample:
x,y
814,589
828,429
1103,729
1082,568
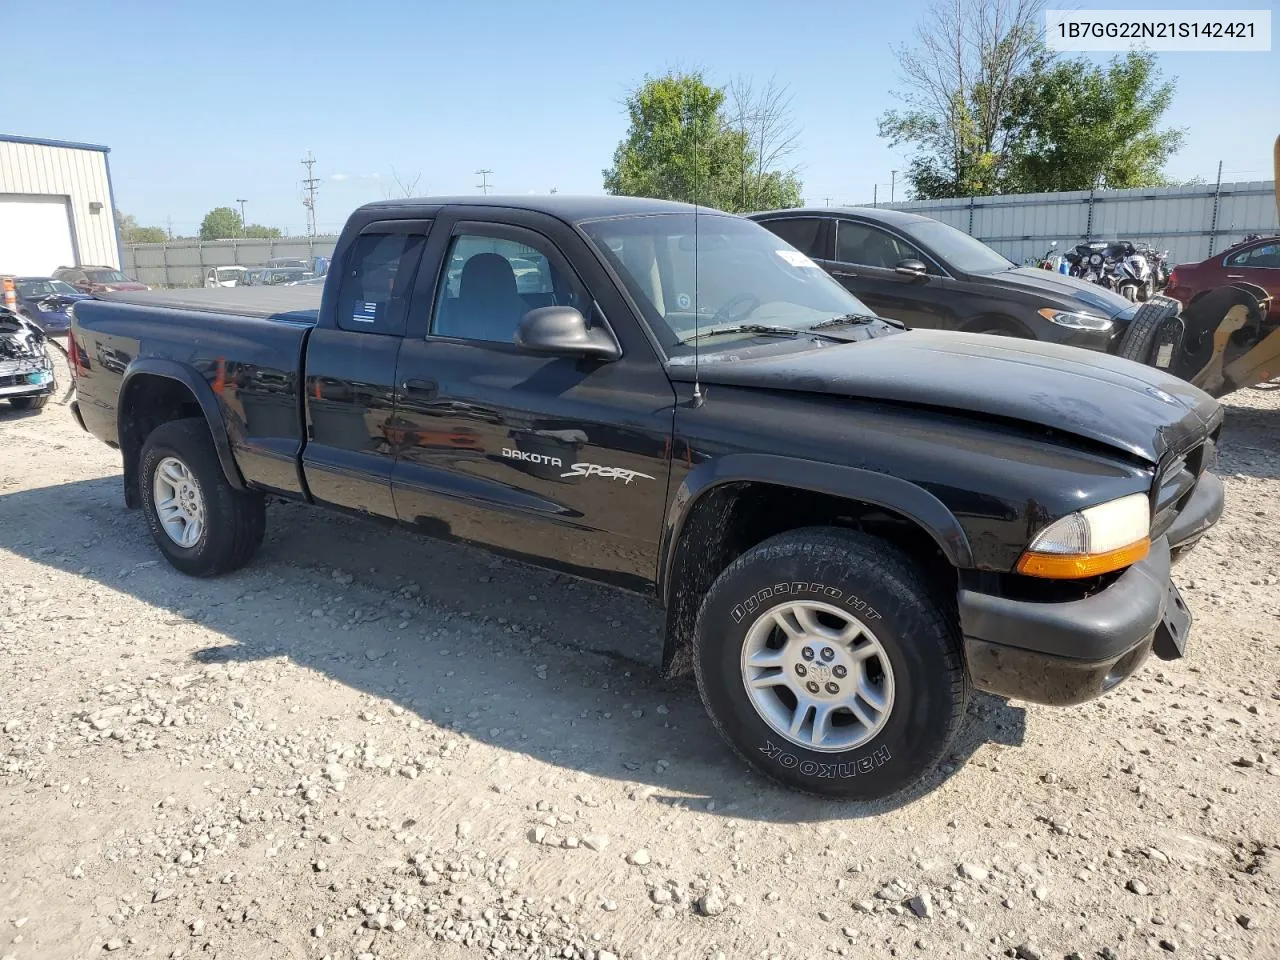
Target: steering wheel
x,y
728,313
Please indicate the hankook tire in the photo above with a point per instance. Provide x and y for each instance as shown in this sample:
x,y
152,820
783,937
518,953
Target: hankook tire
x,y
831,664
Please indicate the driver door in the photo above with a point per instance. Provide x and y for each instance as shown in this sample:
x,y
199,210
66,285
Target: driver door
x,y
865,258
560,461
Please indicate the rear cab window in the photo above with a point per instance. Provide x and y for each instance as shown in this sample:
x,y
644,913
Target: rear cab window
x,y
376,285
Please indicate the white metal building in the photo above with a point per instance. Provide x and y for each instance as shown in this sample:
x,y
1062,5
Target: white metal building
x,y
56,206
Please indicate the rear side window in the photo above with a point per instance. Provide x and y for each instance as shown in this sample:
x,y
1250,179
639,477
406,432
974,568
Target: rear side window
x,y
803,233
1267,255
377,282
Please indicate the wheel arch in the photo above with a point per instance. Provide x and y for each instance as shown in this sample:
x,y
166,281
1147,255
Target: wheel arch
x,y
725,507
156,391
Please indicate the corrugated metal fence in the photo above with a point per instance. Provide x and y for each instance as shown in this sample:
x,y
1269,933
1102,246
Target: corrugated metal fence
x,y
1191,222
184,263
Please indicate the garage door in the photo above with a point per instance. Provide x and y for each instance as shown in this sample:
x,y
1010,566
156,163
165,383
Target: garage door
x,y
35,235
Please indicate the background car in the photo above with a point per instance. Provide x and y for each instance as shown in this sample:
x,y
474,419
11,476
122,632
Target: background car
x,y
91,279
1255,261
926,273
229,276
45,301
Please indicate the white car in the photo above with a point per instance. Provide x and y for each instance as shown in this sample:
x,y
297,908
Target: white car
x,y
224,276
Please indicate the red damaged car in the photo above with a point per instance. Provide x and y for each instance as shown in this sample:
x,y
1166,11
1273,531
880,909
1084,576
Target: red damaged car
x,y
97,279
1256,260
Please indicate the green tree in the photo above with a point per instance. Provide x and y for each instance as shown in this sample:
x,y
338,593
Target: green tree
x,y
957,84
220,223
130,232
680,146
1076,125
224,223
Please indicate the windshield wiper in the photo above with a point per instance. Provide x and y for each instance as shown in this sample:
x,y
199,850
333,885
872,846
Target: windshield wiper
x,y
846,319
747,328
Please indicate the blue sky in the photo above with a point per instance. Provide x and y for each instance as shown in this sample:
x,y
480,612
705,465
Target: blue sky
x,y
206,103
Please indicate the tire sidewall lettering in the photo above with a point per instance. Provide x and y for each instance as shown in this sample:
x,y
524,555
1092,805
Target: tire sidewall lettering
x,y
836,769
757,602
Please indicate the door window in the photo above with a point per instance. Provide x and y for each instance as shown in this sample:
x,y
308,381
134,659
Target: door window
x,y
868,246
491,282
376,286
803,233
1265,256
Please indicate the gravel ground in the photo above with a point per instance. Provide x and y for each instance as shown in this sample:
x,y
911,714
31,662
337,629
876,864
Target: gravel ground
x,y
372,745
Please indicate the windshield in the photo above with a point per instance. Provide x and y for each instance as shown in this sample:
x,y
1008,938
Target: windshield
x,y
31,289
745,275
107,276
957,248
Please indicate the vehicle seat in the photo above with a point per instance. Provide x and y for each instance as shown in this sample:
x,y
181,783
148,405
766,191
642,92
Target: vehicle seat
x,y
488,306
876,252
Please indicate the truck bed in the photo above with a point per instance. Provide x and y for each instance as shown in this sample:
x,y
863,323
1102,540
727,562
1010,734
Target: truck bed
x,y
298,304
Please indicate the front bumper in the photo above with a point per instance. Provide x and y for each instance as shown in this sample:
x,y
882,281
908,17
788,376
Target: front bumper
x,y
1073,651
10,388
1099,340
1064,653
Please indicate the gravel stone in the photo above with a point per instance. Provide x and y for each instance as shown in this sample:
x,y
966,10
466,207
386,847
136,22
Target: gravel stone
x,y
922,906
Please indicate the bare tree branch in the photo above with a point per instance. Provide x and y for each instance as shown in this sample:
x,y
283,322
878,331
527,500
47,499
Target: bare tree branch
x,y
958,80
763,119
407,188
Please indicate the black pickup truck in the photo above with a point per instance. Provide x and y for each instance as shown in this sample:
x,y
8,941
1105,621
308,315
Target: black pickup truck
x,y
850,524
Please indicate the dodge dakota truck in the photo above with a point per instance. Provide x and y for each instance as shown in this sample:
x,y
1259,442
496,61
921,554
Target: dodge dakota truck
x,y
850,524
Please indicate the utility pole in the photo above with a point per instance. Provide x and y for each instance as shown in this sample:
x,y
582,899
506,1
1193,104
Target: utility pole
x,y
826,201
893,183
243,223
309,187
169,223
483,185
875,194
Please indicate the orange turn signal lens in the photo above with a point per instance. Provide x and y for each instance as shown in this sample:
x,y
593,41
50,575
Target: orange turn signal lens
x,y
1076,566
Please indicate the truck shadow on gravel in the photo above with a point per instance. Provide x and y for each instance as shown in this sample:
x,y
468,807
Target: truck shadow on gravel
x,y
560,670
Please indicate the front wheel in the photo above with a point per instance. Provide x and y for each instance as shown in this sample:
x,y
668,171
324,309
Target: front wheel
x,y
29,403
1130,292
831,665
202,524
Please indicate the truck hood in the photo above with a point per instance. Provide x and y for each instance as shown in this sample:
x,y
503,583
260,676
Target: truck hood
x,y
1137,409
1083,295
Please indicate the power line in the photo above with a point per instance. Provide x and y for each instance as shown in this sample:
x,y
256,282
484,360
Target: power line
x,y
310,185
483,185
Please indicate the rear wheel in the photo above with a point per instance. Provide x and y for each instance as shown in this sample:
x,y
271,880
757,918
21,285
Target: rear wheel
x,y
830,664
202,524
29,403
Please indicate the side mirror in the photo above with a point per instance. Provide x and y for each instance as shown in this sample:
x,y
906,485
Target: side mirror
x,y
911,268
563,331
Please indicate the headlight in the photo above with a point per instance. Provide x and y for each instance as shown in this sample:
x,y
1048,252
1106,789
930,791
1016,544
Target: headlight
x,y
1110,536
1076,321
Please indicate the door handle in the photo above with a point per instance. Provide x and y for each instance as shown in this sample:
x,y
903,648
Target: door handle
x,y
1235,276
843,273
421,388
